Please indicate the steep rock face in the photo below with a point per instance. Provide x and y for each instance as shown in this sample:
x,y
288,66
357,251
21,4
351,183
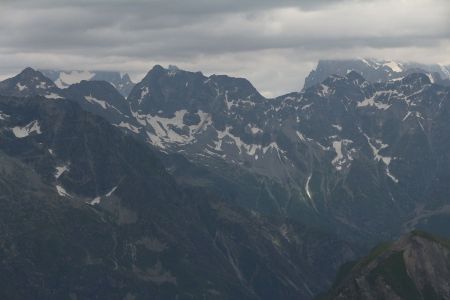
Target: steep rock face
x,y
101,98
376,70
89,211
415,267
64,79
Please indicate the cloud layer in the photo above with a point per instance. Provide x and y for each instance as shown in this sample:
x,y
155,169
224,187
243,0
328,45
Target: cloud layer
x,y
273,43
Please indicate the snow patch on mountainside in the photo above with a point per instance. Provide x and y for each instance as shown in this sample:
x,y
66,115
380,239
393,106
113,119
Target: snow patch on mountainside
x,y
338,127
273,146
324,90
226,136
22,132
94,100
21,87
337,145
300,136
343,156
60,170
344,153
413,113
372,102
128,126
53,96
98,199
376,148
256,130
389,174
62,192
111,192
394,66
144,92
307,188
43,85
173,130
155,140
253,150
306,106
95,201
3,116
371,63
235,102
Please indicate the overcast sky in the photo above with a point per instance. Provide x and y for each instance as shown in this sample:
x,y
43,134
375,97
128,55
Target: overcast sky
x,y
273,43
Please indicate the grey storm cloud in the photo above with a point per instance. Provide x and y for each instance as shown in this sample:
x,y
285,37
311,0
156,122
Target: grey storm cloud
x,y
273,43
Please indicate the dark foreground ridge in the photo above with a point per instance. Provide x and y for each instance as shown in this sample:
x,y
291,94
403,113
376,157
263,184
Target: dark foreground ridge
x,y
416,266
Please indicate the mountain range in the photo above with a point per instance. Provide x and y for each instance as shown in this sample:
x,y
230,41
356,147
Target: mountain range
x,y
376,70
192,174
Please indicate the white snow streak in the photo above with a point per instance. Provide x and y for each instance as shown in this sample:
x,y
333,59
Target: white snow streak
x,y
22,132
128,126
111,191
62,192
94,100
53,96
60,170
307,189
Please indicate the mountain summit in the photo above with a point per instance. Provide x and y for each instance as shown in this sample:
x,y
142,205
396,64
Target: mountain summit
x,y
30,82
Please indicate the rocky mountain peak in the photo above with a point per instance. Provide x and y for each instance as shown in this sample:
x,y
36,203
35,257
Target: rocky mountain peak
x,y
172,89
28,71
157,70
32,75
30,82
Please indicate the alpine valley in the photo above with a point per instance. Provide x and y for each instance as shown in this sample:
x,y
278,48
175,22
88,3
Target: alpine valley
x,y
186,186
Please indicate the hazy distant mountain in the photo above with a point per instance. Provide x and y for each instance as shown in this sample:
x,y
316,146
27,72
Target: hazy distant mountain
x,y
417,266
63,79
376,70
